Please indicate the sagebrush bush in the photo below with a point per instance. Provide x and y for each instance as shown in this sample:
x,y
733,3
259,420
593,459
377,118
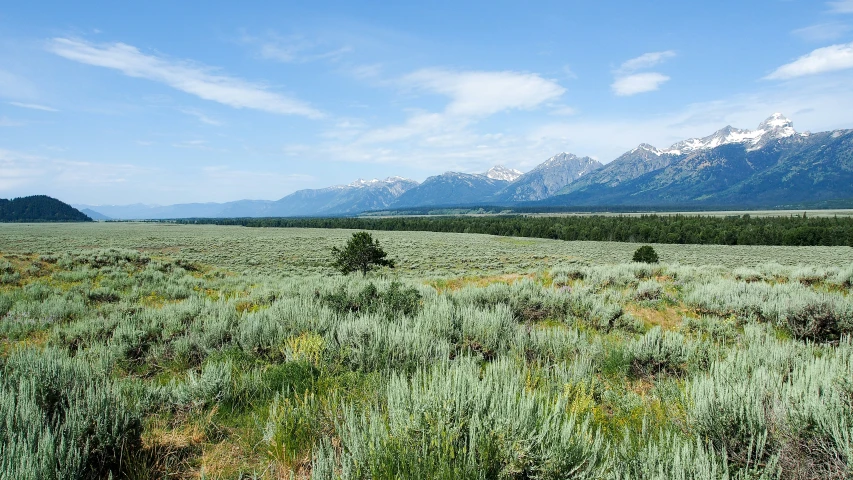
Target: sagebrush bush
x,y
62,419
451,370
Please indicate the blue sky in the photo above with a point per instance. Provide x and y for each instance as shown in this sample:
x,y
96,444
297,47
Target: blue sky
x,y
167,102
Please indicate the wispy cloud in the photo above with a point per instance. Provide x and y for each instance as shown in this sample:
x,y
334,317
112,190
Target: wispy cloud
x,y
638,83
197,144
293,48
477,93
33,106
841,6
822,32
628,82
822,60
185,76
644,61
203,118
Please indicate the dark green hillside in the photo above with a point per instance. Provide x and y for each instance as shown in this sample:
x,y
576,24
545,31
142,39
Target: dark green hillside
x,y
39,208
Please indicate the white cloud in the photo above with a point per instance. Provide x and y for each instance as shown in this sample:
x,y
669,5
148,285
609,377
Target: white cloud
x,y
627,82
638,83
842,6
644,61
822,32
187,77
472,94
33,106
477,93
822,60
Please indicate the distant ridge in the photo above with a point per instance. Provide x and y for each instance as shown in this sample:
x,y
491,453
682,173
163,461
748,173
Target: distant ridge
x,y
96,216
772,166
39,208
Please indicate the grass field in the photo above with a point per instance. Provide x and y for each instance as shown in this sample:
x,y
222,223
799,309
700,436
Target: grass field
x,y
167,351
296,251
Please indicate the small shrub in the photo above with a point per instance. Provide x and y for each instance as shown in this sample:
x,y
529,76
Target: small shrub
x,y
646,254
394,301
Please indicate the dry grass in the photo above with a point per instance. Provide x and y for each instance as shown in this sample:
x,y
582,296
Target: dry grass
x,y
668,318
459,283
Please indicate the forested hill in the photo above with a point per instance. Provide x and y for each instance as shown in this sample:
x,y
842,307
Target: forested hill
x,y
679,229
39,208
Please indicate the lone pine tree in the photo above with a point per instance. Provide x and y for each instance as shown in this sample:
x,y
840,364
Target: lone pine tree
x,y
361,254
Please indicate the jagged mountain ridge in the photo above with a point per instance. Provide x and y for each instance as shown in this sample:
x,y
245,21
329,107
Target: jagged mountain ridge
x,y
356,197
548,178
451,188
771,165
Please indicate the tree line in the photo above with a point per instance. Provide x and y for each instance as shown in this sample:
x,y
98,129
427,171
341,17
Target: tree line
x,y
678,229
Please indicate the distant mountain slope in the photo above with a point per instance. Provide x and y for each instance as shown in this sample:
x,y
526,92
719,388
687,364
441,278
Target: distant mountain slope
x,y
146,212
770,166
451,188
548,178
813,168
39,208
356,197
639,161
94,215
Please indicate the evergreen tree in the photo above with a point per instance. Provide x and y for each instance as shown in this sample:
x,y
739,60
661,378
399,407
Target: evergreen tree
x,y
646,254
361,254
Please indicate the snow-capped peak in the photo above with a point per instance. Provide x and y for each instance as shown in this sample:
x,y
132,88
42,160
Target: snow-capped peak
x,y
558,158
776,126
777,120
648,148
364,183
361,183
499,172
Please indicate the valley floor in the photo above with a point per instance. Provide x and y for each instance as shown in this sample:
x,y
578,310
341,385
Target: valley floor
x,y
189,351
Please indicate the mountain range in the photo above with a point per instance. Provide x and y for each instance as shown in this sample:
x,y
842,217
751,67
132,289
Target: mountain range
x,y
771,166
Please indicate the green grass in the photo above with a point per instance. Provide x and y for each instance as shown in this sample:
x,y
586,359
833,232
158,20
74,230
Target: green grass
x,y
225,351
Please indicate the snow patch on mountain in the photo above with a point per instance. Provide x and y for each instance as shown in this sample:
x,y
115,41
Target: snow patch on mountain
x,y
774,127
499,172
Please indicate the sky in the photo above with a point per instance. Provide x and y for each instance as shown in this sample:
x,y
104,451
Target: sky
x,y
163,102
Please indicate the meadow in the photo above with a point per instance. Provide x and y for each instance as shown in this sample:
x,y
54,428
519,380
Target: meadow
x,y
200,351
